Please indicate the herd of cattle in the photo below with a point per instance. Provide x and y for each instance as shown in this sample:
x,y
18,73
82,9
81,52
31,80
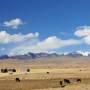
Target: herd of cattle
x,y
62,83
65,82
8,70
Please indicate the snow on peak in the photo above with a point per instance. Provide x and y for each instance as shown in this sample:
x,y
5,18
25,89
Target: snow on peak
x,y
66,53
86,53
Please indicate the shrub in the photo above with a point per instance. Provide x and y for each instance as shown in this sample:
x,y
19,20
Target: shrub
x,y
14,70
4,70
28,70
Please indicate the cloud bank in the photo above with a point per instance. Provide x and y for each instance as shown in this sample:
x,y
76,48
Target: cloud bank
x,y
49,44
53,42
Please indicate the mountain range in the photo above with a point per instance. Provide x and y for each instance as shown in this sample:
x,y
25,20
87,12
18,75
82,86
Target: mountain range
x,y
42,55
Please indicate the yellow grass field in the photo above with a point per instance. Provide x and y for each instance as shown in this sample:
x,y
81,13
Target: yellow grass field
x,y
46,75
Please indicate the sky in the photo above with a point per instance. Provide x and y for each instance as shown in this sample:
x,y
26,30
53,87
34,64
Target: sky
x,y
44,26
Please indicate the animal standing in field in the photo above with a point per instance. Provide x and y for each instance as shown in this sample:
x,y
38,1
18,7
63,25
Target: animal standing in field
x,y
47,72
61,84
17,80
78,80
66,81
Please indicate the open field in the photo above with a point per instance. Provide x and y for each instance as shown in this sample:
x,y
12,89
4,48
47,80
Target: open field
x,y
47,74
40,85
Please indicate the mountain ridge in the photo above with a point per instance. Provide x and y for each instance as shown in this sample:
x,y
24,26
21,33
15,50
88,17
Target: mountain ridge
x,y
31,55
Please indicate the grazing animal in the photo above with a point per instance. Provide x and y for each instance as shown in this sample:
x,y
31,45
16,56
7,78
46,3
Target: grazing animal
x,y
47,72
78,80
17,80
67,81
61,84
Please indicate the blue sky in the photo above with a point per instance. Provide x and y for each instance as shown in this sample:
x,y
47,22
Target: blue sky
x,y
44,25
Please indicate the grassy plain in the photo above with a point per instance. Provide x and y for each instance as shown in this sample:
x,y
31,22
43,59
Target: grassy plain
x,y
59,68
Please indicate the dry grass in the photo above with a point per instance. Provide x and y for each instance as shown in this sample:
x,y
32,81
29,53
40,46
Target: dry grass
x,y
38,79
51,84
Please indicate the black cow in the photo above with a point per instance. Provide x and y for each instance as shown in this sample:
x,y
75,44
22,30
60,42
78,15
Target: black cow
x,y
61,84
47,72
17,80
78,80
67,81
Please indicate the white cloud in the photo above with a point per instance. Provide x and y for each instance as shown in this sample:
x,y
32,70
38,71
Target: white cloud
x,y
14,23
47,45
84,33
54,42
8,38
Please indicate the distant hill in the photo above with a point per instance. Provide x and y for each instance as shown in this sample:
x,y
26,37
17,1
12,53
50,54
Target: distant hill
x,y
43,55
29,56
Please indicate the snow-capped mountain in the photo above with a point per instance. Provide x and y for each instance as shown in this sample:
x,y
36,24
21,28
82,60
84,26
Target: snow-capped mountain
x,y
77,53
86,53
42,55
30,56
